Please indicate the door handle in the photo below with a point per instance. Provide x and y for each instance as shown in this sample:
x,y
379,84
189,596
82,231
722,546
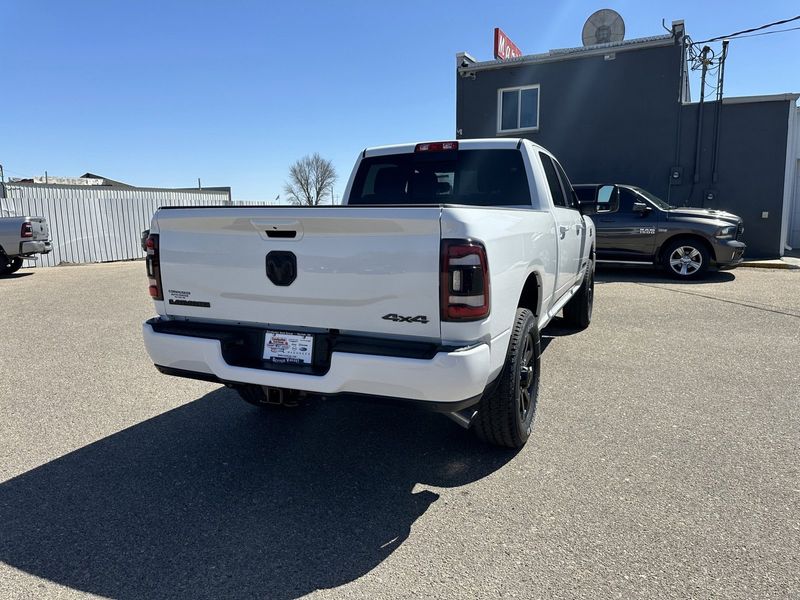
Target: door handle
x,y
563,229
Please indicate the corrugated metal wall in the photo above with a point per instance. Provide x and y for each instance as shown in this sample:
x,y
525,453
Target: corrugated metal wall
x,y
96,224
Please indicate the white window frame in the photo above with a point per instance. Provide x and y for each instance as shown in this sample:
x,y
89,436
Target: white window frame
x,y
519,90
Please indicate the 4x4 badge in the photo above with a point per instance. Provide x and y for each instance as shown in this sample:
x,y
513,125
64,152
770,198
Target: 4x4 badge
x,y
401,319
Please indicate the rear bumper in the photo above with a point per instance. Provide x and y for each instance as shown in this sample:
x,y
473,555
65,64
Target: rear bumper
x,y
729,254
35,247
450,379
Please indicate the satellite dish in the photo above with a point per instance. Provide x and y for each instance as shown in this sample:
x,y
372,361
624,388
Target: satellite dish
x,y
602,27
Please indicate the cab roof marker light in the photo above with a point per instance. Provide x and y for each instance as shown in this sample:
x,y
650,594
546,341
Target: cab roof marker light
x,y
436,147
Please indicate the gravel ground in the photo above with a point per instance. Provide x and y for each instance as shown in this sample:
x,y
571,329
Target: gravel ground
x,y
664,461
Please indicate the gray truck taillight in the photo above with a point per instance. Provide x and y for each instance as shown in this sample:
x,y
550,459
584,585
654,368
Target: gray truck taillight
x,y
26,231
153,264
464,287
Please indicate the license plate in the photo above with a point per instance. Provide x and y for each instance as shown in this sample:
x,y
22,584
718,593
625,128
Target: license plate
x,y
288,348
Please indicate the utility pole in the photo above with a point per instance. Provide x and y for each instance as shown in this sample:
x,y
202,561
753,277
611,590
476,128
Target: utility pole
x,y
720,82
700,106
199,187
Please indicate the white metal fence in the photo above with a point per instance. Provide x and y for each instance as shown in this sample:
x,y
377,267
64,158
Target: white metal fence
x,y
97,223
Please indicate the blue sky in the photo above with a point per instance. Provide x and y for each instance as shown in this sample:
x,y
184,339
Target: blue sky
x,y
161,93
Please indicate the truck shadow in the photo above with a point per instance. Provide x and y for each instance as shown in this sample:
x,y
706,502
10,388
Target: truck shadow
x,y
217,499
635,274
555,329
16,275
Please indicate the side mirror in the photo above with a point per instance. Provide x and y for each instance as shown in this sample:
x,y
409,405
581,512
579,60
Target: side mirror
x,y
641,208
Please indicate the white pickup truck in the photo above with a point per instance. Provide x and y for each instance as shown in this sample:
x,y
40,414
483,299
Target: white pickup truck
x,y
22,238
430,285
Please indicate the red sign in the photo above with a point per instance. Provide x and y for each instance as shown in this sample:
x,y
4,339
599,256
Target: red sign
x,y
503,47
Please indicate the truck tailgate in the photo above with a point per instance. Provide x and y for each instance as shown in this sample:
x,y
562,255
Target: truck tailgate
x,y
39,228
369,270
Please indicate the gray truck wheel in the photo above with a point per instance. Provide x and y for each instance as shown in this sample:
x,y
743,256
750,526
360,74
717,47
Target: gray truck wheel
x,y
271,398
686,259
578,311
505,414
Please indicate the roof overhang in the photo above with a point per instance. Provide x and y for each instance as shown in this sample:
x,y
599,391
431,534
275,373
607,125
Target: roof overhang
x,y
564,54
789,97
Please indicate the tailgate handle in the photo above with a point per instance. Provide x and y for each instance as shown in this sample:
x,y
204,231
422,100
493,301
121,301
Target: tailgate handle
x,y
278,229
281,233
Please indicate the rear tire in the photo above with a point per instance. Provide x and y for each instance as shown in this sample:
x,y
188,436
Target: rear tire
x,y
578,311
272,399
9,265
506,413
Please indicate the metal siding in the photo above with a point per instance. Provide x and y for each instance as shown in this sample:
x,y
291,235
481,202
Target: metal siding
x,y
97,224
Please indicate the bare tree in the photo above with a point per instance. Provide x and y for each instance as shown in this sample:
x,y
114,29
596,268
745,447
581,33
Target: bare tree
x,y
310,179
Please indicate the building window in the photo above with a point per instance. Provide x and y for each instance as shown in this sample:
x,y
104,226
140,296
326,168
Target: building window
x,y
518,109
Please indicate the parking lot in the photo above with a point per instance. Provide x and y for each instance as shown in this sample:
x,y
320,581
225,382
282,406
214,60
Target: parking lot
x,y
664,461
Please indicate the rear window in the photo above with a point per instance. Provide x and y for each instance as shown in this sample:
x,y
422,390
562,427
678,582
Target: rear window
x,y
472,177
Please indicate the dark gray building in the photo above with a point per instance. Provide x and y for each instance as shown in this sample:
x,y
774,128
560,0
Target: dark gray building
x,y
620,112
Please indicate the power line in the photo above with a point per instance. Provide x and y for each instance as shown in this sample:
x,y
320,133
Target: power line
x,y
769,32
730,35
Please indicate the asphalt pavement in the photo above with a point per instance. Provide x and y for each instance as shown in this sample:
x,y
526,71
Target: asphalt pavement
x,y
664,461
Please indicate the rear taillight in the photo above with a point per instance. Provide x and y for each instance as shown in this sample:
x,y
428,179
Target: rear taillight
x,y
26,231
153,264
464,281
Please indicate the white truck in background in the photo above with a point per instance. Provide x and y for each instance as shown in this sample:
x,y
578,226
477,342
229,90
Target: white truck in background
x,y
21,238
430,285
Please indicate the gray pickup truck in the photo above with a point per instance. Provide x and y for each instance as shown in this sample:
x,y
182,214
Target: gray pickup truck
x,y
636,227
22,237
